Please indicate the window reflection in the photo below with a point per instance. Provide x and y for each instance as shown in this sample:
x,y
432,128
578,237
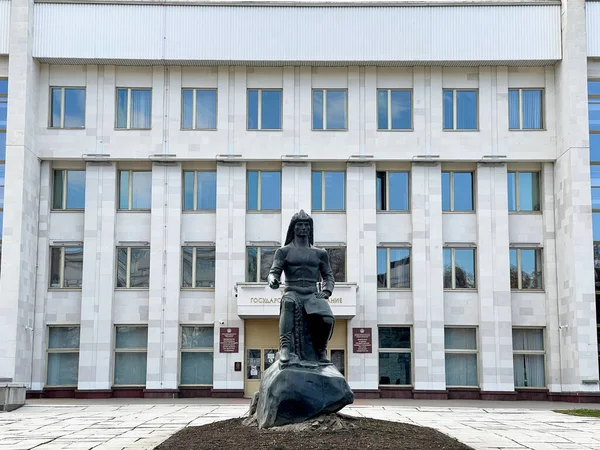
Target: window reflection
x,y
263,190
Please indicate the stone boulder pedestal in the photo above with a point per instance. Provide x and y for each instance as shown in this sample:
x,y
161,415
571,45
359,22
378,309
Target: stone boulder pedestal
x,y
293,393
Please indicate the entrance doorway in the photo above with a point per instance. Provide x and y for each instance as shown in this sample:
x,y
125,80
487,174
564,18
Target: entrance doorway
x,y
262,344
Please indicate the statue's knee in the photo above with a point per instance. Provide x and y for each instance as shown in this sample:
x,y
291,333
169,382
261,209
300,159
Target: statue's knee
x,y
287,304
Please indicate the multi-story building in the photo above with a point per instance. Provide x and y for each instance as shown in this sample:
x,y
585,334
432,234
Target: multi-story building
x,y
156,152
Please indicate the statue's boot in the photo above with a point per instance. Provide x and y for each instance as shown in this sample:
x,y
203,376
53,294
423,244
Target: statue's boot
x,y
321,336
284,347
286,327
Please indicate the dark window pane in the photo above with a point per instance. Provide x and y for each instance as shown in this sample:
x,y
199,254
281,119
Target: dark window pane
x,y
461,369
382,268
196,368
197,337
532,109
130,368
448,110
528,339
460,339
188,190
382,109
141,108
55,262
334,191
74,108
266,261
317,191
141,196
206,109
55,108
394,368
596,226
597,274
465,268
399,268
205,267
124,189
529,191
63,337
446,192
121,267
447,268
252,264
253,109
401,114
207,191
381,194
398,190
337,261
270,190
512,191
121,108
62,369
466,110
336,110
75,189
140,268
463,191
252,191
394,337
531,269
317,123
187,109
513,109
514,269
529,370
187,267
271,110
594,147
57,189
73,270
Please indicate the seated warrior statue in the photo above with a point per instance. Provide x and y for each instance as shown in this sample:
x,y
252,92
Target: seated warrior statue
x,y
306,320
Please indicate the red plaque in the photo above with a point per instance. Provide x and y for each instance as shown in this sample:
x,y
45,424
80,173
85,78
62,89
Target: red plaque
x,y
229,340
361,340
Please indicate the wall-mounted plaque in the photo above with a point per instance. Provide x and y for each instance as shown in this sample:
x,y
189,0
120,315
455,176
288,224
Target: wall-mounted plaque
x,y
362,341
229,340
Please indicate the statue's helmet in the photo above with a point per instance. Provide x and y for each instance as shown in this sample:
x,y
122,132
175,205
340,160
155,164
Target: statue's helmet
x,y
300,216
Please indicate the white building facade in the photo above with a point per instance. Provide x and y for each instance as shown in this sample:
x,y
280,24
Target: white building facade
x,y
156,152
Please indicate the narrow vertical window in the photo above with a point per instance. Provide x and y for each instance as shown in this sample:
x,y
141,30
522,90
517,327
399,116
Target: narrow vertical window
x,y
525,268
63,356
459,268
524,191
131,352
461,357
529,357
395,352
197,355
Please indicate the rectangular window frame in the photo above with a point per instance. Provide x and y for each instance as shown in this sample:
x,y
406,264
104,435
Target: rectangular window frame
x,y
454,110
65,183
193,350
312,115
129,190
339,247
323,192
128,350
61,269
534,352
542,111
258,261
389,109
128,121
398,350
195,208
517,209
475,268
195,109
259,189
61,126
473,192
520,287
259,112
389,269
60,350
128,273
465,352
386,192
194,266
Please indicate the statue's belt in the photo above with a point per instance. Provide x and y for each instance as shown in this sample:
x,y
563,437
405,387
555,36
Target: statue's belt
x,y
301,283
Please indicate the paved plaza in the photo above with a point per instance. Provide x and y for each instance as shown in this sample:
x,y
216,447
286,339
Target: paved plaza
x,y
143,424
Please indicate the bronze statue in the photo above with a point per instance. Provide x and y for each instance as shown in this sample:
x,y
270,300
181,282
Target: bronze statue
x,y
306,320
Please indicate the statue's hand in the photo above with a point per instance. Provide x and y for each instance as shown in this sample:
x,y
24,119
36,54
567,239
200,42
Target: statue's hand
x,y
323,294
273,282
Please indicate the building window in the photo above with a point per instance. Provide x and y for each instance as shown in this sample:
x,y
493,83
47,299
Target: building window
x,y
258,263
199,109
395,367
68,189
134,109
198,267
457,191
3,116
63,356
197,355
460,109
264,109
133,267
528,357
67,109
135,189
392,191
394,109
393,268
598,324
131,349
330,109
264,190
595,183
524,191
525,268
337,261
525,109
66,267
459,268
328,191
461,356
199,190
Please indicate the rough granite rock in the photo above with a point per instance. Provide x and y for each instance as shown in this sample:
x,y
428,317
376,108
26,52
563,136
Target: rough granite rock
x,y
300,392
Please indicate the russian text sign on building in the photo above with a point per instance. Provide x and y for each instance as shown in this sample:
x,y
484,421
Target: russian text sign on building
x,y
362,341
229,340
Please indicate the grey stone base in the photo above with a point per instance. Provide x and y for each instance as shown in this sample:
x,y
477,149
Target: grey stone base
x,y
12,396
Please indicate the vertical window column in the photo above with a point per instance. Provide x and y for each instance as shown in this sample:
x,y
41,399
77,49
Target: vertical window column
x,y
63,356
131,354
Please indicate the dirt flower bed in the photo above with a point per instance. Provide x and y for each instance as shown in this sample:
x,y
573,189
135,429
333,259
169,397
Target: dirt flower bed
x,y
342,432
